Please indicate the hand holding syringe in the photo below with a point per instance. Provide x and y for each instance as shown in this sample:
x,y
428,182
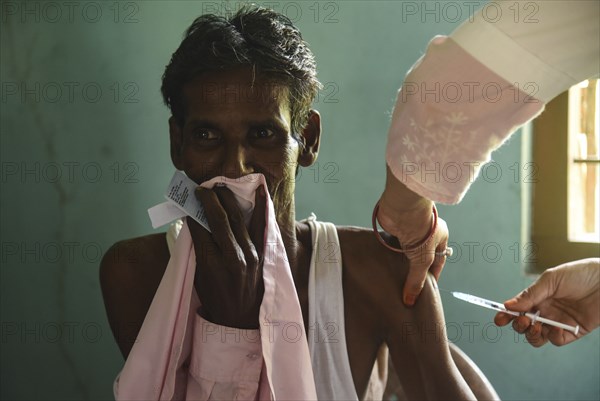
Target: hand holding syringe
x,y
535,317
569,293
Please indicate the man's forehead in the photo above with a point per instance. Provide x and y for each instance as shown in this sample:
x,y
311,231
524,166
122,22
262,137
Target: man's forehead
x,y
236,86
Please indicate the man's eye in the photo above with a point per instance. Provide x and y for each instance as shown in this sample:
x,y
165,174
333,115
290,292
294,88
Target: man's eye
x,y
205,134
262,133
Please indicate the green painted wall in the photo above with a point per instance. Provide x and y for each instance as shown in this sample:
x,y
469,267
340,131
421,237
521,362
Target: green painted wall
x,y
84,153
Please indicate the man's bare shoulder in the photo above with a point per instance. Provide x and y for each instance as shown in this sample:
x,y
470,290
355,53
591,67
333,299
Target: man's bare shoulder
x,y
135,262
130,273
360,244
137,251
372,277
370,270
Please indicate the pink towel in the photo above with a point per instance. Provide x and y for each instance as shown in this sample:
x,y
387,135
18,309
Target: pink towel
x,y
155,368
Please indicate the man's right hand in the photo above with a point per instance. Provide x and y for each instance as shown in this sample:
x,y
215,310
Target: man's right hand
x,y
229,261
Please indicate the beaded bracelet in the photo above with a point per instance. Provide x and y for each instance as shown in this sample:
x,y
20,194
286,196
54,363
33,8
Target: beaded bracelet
x,y
413,248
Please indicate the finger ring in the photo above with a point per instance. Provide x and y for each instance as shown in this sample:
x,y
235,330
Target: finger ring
x,y
446,252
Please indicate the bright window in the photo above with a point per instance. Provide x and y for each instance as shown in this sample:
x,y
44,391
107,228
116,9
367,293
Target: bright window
x,y
584,180
564,206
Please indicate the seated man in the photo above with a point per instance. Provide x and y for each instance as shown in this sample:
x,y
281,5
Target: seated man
x,y
240,92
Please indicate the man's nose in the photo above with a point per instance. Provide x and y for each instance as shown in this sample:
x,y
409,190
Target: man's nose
x,y
237,161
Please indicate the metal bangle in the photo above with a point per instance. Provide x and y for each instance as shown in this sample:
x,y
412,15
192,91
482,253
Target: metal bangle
x,y
414,247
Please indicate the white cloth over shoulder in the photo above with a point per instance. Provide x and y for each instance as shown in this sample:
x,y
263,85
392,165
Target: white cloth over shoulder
x,y
327,328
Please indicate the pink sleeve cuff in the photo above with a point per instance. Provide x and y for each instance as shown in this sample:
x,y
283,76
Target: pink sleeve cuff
x,y
451,113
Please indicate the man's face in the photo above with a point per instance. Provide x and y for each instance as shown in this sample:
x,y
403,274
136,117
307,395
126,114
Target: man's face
x,y
235,126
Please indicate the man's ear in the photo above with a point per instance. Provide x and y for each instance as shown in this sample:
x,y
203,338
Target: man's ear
x,y
176,136
311,135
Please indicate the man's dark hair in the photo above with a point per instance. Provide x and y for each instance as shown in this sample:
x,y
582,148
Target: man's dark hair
x,y
257,37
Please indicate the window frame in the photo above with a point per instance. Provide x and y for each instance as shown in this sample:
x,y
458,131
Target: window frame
x,y
549,204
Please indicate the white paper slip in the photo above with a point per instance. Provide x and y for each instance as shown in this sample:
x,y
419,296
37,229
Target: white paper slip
x,y
181,201
164,213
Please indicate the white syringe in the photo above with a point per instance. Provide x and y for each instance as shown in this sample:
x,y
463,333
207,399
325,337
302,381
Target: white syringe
x,y
535,317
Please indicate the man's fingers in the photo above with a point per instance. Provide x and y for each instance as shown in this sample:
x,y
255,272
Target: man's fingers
x,y
195,229
257,234
237,225
206,249
205,245
258,221
218,222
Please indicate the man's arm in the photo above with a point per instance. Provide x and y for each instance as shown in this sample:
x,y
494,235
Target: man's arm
x,y
420,350
373,279
130,273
